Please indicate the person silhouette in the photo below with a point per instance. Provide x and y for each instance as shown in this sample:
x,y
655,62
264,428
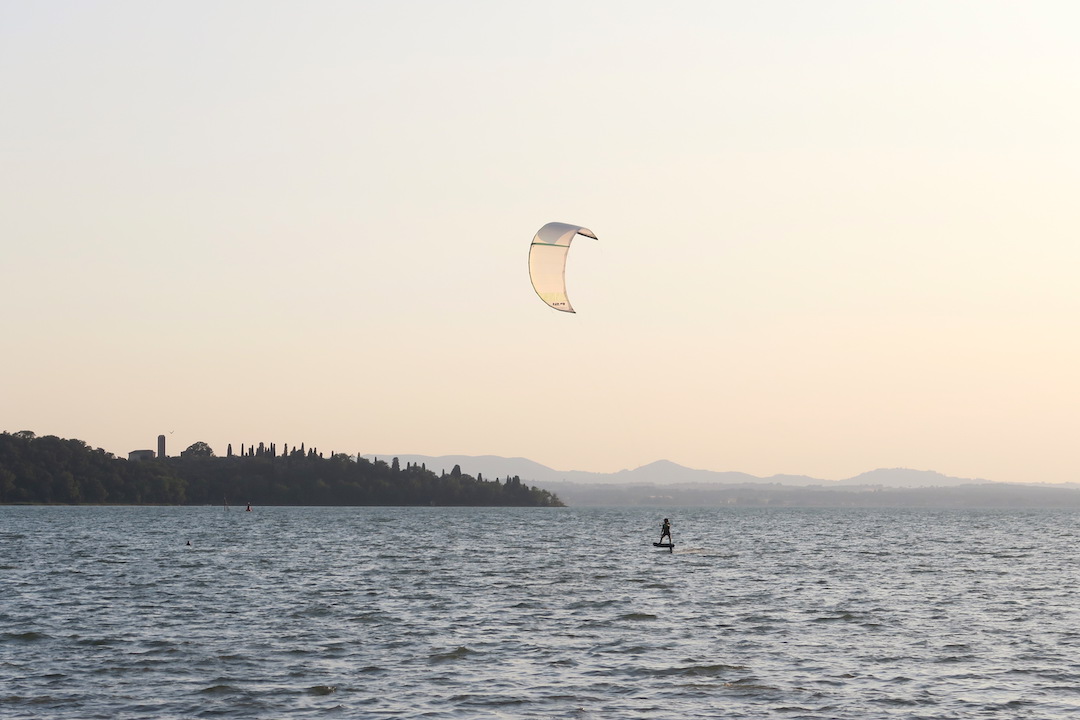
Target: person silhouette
x,y
665,530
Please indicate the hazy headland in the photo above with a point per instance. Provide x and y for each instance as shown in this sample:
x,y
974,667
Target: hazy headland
x,y
50,470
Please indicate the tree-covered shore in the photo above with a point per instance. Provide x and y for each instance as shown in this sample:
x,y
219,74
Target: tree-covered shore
x,y
52,470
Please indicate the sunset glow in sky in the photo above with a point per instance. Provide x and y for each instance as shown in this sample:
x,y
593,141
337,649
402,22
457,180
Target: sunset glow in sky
x,y
833,236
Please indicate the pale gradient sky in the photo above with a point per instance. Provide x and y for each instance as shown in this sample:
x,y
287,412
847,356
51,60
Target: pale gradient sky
x,y
834,236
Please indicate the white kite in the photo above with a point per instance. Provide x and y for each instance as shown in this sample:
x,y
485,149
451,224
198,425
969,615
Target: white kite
x,y
547,262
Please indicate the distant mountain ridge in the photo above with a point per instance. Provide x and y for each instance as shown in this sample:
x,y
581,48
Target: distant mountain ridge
x,y
665,472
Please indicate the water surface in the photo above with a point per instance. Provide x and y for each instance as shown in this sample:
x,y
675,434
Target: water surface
x,y
106,612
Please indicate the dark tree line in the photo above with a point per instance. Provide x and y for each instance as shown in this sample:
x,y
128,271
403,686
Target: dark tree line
x,y
54,470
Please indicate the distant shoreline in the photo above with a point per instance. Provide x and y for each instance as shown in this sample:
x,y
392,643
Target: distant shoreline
x,y
51,470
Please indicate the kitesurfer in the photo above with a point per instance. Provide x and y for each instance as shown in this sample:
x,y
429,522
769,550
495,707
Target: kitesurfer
x,y
665,530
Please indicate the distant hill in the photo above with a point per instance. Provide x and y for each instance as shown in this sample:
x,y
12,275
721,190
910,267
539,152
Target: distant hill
x,y
667,484
763,495
903,478
665,472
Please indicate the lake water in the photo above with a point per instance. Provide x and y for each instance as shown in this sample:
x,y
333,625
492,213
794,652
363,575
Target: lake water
x,y
106,612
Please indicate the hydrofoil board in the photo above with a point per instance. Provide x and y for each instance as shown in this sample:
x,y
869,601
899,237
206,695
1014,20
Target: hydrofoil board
x,y
664,545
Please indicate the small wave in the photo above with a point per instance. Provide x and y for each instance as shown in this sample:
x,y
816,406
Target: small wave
x,y
231,656
639,650
705,552
98,641
160,644
756,618
844,617
488,701
301,651
637,616
901,702
313,611
456,654
701,671
1008,705
884,659
587,604
30,636
524,605
322,689
219,690
39,700
750,684
153,654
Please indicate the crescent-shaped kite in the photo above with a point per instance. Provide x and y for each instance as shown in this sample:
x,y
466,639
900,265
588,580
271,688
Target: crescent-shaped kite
x,y
547,262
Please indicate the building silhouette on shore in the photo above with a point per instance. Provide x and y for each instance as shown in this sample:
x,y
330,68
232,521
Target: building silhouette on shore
x,y
149,454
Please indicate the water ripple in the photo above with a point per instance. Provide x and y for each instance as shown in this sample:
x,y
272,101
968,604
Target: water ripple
x,y
466,613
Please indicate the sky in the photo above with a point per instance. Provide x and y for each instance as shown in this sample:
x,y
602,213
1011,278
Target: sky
x,y
833,236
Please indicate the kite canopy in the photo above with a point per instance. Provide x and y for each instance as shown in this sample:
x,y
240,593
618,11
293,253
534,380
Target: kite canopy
x,y
547,262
